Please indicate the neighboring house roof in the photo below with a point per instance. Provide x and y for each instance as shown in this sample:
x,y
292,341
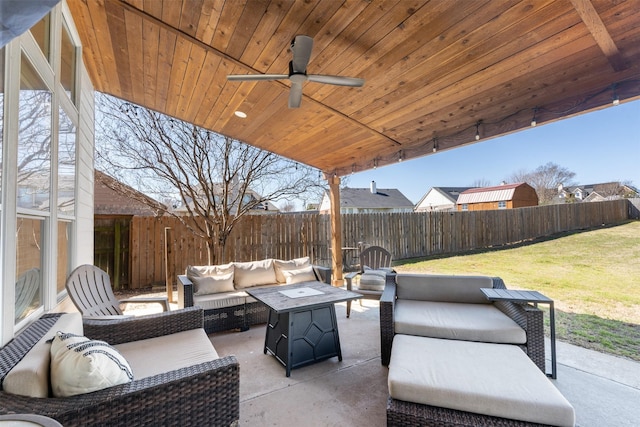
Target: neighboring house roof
x,y
598,192
588,188
449,193
594,197
489,194
250,195
112,197
383,198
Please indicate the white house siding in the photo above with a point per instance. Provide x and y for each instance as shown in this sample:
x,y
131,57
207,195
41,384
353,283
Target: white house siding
x,y
435,201
85,166
325,204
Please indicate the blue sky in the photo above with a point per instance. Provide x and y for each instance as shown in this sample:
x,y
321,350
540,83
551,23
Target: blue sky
x,y
600,146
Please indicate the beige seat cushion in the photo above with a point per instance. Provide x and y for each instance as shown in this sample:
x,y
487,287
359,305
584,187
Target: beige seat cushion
x,y
175,351
491,379
470,322
373,280
30,377
220,300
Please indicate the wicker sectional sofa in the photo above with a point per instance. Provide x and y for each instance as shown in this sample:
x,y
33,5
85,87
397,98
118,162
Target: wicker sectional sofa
x,y
194,387
220,289
456,358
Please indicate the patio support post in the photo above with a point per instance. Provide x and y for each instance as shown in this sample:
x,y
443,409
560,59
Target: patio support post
x,y
336,230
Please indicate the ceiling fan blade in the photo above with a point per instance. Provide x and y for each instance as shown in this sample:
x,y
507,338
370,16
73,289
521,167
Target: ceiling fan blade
x,y
256,77
301,47
295,95
336,80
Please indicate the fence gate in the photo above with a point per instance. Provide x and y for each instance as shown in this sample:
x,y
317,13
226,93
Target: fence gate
x,y
111,248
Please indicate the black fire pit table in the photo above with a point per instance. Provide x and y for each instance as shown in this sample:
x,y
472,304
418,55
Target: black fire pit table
x,y
302,326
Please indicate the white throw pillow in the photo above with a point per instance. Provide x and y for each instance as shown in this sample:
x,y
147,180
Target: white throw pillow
x,y
80,365
213,284
254,273
304,274
293,264
211,279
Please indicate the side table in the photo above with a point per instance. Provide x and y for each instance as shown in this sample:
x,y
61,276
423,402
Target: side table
x,y
535,298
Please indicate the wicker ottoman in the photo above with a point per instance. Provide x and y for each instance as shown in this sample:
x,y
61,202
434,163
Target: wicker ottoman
x,y
449,382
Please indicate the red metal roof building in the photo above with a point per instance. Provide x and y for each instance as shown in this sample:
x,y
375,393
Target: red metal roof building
x,y
506,196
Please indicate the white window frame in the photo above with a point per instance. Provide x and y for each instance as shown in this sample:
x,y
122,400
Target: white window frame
x,y
48,70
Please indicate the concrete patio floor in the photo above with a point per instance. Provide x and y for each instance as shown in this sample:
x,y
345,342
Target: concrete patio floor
x,y
603,389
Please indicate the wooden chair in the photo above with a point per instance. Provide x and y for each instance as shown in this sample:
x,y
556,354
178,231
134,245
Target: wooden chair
x,y
90,290
379,260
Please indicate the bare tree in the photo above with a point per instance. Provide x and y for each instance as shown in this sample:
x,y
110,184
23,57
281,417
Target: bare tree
x,y
610,190
545,180
482,182
34,152
215,179
288,207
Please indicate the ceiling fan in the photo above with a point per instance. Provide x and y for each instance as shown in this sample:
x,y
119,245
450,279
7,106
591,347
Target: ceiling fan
x,y
301,47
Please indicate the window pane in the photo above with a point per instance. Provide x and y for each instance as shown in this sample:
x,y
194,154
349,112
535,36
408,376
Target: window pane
x,y
29,235
68,65
64,251
34,140
1,115
66,165
40,32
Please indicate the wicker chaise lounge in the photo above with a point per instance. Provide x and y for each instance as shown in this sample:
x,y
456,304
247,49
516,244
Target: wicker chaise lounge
x,y
457,359
201,394
526,316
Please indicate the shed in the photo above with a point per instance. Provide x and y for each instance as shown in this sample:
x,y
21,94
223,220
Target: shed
x,y
507,196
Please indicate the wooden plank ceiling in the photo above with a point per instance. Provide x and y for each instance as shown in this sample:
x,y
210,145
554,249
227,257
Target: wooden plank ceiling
x,y
437,72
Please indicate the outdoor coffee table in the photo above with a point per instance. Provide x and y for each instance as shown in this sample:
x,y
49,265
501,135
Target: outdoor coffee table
x,y
302,327
535,297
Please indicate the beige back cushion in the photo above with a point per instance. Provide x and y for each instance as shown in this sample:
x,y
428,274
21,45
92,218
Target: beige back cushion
x,y
443,288
254,273
294,264
30,377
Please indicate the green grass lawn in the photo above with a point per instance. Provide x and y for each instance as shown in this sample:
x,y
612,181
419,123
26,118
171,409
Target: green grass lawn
x,y
593,276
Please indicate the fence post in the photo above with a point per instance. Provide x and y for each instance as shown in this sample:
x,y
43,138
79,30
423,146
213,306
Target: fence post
x,y
169,267
116,255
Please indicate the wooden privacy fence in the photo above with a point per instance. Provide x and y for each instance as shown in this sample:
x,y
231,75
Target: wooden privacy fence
x,y
405,235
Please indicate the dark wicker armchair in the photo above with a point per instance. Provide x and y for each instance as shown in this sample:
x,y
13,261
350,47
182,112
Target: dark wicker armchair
x,y
203,394
528,317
